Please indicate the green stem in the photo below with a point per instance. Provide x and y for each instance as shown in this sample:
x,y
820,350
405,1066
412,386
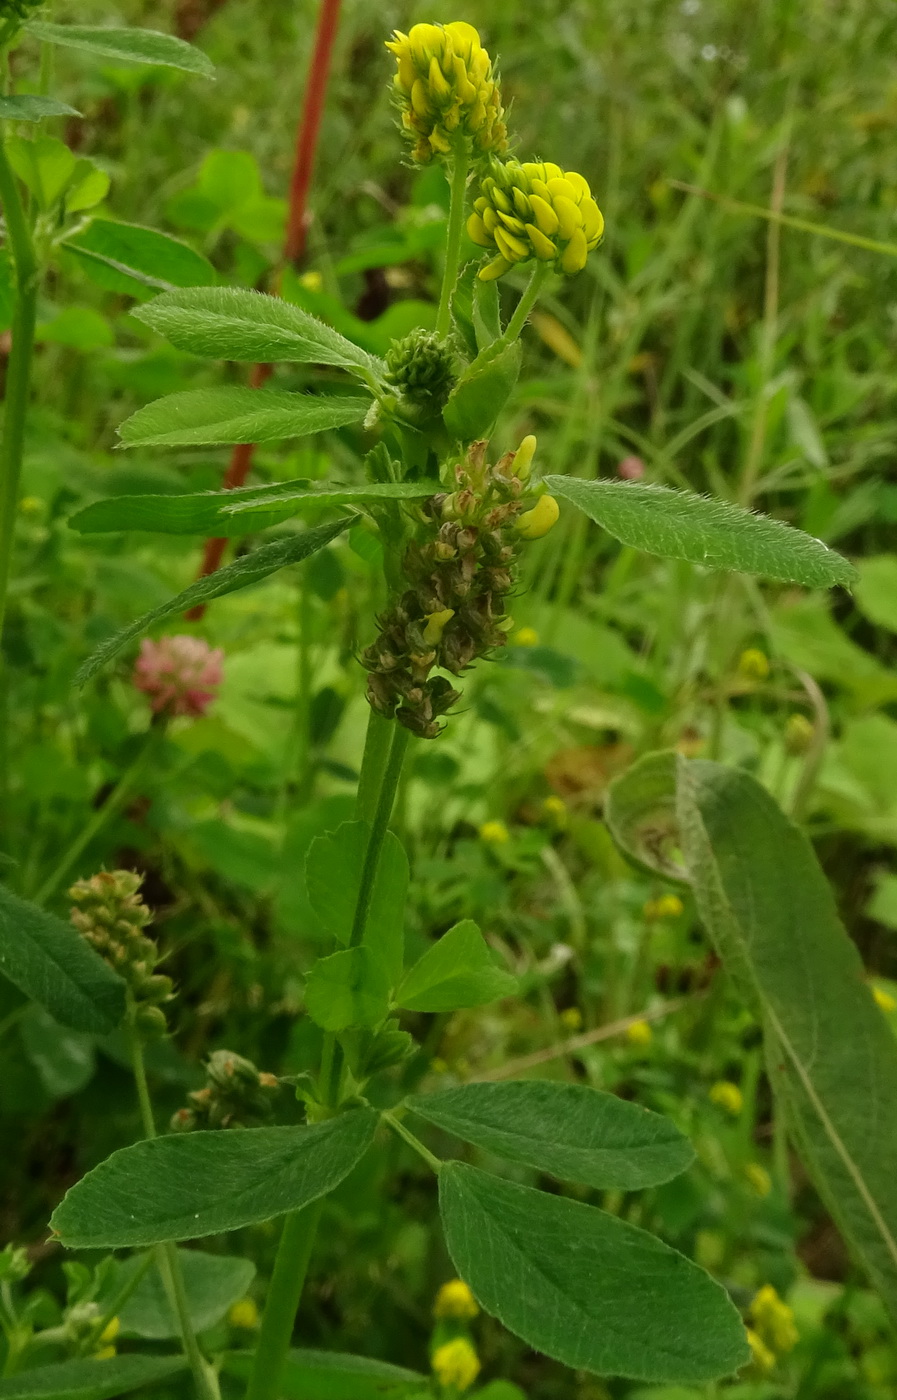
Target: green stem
x,y
398,1126
460,164
382,812
110,807
166,1254
523,308
284,1295
373,765
18,379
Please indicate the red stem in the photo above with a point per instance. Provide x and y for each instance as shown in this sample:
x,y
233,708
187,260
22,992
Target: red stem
x,y
294,243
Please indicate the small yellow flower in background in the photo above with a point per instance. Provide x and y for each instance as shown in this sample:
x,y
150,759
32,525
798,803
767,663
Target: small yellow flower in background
x,y
105,1353
774,1320
554,810
667,906
639,1033
494,833
728,1096
456,1364
761,1353
435,627
523,457
534,210
759,1178
571,1018
526,637
31,505
439,1066
753,664
884,999
455,1299
535,523
110,1331
244,1314
799,733
446,88
312,281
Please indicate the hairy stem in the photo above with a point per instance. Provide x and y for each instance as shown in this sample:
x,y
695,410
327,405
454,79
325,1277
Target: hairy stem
x,y
524,307
284,1295
166,1254
379,824
460,165
399,1127
18,379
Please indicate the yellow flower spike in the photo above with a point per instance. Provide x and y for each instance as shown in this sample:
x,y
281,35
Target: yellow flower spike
x,y
727,1096
446,88
774,1320
558,221
456,1364
535,523
436,625
523,457
763,1358
455,1299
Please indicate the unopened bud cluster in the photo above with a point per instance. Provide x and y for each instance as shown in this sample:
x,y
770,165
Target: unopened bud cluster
x,y
235,1095
447,90
459,571
535,210
421,367
109,913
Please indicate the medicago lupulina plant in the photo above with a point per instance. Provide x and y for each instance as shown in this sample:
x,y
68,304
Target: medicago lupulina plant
x,y
454,515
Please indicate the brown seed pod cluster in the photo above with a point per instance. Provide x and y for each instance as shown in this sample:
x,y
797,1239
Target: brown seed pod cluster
x,y
109,913
459,570
235,1095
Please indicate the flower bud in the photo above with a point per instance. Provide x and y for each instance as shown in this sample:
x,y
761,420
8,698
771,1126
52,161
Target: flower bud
x,y
523,458
535,210
422,366
446,90
181,675
535,523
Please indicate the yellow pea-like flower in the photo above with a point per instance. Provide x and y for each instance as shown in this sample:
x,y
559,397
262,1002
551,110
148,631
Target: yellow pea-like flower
x,y
535,523
446,87
456,1364
455,1300
537,210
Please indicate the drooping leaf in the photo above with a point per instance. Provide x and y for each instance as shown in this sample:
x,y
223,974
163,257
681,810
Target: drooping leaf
x,y
28,107
50,962
252,568
459,970
213,1282
184,1187
714,533
585,1287
573,1132
350,988
333,875
237,512
481,393
64,1059
126,45
641,812
90,1380
334,1375
236,414
127,257
228,323
766,903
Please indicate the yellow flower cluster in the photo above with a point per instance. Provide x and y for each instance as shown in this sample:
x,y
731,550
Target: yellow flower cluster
x,y
456,1364
727,1096
455,1299
535,210
773,1325
447,89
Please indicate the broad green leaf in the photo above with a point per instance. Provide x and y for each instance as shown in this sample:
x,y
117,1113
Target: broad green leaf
x,y
126,45
89,187
78,328
876,590
334,1375
237,512
50,962
481,393
573,1132
641,812
213,1282
90,1380
333,875
236,414
833,1058
228,323
714,533
252,568
31,108
64,1059
185,1186
457,971
45,165
350,988
126,257
585,1287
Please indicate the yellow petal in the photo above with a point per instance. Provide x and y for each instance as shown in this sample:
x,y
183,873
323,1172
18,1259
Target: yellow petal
x,y
573,258
543,247
592,220
464,87
501,201
539,188
544,215
419,99
440,142
514,249
557,185
476,230
497,268
490,219
535,523
465,39
579,183
569,217
439,87
521,203
512,224
552,171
